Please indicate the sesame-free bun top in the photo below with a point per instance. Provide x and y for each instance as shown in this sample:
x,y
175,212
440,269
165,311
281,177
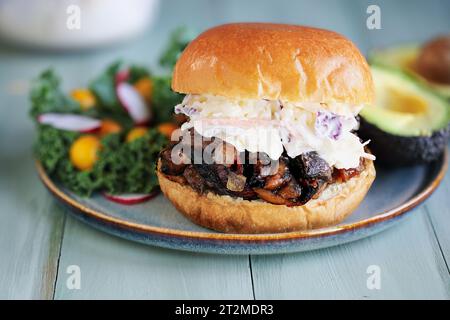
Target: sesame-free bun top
x,y
274,61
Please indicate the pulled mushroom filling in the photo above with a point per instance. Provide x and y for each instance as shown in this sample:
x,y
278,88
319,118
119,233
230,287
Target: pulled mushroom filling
x,y
292,182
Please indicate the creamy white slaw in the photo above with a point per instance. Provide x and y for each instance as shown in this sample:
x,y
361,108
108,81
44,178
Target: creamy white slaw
x,y
271,126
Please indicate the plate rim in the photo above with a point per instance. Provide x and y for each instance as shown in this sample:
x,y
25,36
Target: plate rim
x,y
203,235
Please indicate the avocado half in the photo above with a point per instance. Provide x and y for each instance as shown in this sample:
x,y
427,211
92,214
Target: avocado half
x,y
404,58
409,124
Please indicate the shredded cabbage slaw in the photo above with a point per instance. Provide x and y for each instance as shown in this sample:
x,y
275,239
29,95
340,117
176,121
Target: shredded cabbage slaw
x,y
271,126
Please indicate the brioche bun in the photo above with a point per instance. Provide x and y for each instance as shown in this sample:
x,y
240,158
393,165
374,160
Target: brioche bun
x,y
234,215
274,61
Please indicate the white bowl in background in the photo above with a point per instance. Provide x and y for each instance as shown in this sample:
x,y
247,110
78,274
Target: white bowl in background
x,y
54,23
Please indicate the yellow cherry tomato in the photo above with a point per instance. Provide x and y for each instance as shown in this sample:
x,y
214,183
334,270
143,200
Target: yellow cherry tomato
x,y
167,128
83,152
136,133
84,97
109,126
144,86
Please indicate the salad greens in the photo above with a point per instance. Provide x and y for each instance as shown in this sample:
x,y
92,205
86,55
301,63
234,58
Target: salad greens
x,y
52,149
164,99
103,86
122,166
46,96
129,167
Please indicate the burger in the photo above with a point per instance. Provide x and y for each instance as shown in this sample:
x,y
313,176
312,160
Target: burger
x,y
269,142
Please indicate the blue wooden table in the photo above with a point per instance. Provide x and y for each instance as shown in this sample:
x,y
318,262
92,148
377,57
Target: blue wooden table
x,y
39,240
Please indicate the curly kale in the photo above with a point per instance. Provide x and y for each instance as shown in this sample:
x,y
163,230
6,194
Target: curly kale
x,y
164,99
121,167
47,96
53,146
129,167
52,149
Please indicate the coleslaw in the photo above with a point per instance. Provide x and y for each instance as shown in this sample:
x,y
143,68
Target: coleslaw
x,y
272,126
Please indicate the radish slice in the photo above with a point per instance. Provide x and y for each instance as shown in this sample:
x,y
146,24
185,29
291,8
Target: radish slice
x,y
70,122
130,198
133,102
122,76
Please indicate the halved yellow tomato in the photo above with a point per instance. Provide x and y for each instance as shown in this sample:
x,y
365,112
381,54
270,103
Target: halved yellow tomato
x,y
109,126
144,86
84,152
84,97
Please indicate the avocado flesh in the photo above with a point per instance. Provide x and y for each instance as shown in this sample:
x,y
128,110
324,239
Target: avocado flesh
x,y
403,58
408,123
403,107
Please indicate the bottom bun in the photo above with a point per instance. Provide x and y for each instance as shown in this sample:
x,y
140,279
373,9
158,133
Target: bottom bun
x,y
235,215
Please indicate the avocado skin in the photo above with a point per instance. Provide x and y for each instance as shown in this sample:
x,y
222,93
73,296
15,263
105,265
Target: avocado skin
x,y
395,150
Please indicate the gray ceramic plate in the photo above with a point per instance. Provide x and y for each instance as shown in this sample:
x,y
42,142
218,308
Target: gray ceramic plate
x,y
156,222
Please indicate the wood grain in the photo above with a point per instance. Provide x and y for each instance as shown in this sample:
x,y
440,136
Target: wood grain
x,y
438,211
31,223
408,256
113,268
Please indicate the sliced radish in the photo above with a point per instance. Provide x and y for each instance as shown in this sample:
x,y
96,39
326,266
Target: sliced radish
x,y
133,102
70,122
122,76
130,198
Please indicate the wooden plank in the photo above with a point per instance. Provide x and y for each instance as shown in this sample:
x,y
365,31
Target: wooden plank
x,y
114,268
438,210
30,233
31,225
408,255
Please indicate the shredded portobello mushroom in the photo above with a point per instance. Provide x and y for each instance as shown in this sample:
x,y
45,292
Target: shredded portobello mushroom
x,y
294,182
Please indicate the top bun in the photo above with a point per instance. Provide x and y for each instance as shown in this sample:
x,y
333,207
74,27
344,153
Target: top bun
x,y
274,61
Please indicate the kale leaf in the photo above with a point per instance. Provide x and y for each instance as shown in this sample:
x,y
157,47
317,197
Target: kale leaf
x,y
52,149
129,167
163,99
46,96
122,167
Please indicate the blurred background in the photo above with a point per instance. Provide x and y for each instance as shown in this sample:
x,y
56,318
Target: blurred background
x,y
42,33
